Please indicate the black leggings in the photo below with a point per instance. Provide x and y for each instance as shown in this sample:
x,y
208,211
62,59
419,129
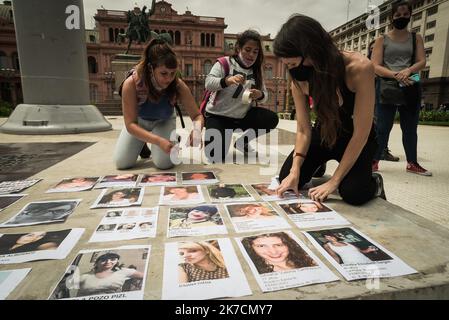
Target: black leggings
x,y
256,118
357,187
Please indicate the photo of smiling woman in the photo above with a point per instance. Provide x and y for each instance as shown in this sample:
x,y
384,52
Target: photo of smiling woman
x,y
202,260
276,252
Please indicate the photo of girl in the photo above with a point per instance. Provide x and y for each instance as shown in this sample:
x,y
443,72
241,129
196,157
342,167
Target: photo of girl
x,y
33,241
157,179
113,198
276,252
195,221
204,177
181,195
228,193
74,184
300,207
201,261
105,273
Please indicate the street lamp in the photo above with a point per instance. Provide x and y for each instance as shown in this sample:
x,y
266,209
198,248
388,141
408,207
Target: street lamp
x,y
110,77
277,81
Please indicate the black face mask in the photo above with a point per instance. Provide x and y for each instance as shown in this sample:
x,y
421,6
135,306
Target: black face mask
x,y
401,23
301,72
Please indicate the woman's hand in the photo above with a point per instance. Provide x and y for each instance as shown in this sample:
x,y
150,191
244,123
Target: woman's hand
x,y
255,94
165,145
321,192
402,76
237,79
291,182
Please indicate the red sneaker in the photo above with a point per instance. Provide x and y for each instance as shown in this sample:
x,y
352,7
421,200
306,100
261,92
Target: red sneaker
x,y
414,167
375,165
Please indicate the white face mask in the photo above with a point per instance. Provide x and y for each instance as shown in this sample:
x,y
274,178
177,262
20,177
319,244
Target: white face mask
x,y
244,61
153,80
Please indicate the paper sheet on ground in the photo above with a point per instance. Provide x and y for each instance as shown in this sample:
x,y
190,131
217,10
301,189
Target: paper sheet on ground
x,y
118,225
356,256
197,284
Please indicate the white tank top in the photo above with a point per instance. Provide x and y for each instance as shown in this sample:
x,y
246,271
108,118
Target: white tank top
x,y
349,254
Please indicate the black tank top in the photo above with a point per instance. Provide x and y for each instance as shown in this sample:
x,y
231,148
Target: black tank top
x,y
346,112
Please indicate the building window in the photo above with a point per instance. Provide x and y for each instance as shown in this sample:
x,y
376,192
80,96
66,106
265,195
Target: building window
x,y
428,52
207,66
429,38
203,39
92,38
417,29
156,30
15,61
432,11
189,70
417,16
177,38
431,24
92,64
111,35
231,46
212,40
425,74
268,71
267,48
207,40
116,32
172,36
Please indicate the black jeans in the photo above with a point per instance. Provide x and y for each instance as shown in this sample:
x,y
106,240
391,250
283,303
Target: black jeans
x,y
358,186
409,117
257,118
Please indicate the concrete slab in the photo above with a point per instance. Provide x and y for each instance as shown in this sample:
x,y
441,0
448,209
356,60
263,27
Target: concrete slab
x,y
419,242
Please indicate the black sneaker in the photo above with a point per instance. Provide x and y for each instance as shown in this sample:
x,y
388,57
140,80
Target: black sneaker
x,y
380,190
387,156
145,153
320,171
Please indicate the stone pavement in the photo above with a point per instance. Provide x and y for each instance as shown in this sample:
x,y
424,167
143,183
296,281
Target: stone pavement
x,y
418,241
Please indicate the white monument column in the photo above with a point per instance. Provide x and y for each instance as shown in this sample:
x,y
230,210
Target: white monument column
x,y
53,64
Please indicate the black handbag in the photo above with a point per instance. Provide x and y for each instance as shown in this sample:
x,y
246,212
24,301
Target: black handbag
x,y
391,93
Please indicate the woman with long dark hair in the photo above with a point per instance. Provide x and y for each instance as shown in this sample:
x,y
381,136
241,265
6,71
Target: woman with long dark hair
x,y
148,99
342,87
276,252
225,110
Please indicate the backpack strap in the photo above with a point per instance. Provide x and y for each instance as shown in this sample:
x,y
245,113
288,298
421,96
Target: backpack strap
x,y
414,48
224,61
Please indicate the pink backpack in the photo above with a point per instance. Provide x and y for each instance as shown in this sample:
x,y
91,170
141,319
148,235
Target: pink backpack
x,y
225,64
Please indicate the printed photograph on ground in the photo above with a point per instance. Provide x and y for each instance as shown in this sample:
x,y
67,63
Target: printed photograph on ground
x,y
355,255
106,274
279,260
204,269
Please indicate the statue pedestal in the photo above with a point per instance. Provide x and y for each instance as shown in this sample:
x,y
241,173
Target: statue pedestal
x,y
121,64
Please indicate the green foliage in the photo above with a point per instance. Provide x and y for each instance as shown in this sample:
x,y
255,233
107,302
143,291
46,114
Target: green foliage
x,y
5,109
432,117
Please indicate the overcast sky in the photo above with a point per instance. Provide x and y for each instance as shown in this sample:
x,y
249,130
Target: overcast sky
x,y
265,16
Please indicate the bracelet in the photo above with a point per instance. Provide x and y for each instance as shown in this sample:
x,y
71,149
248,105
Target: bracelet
x,y
298,154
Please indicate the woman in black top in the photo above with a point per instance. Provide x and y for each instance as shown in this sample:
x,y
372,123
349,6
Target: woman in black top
x,y
342,87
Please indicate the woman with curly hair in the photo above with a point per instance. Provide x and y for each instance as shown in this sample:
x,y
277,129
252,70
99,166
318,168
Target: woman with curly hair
x,y
276,252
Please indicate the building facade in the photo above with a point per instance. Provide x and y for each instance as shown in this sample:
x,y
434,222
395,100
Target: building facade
x,y
430,18
198,42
